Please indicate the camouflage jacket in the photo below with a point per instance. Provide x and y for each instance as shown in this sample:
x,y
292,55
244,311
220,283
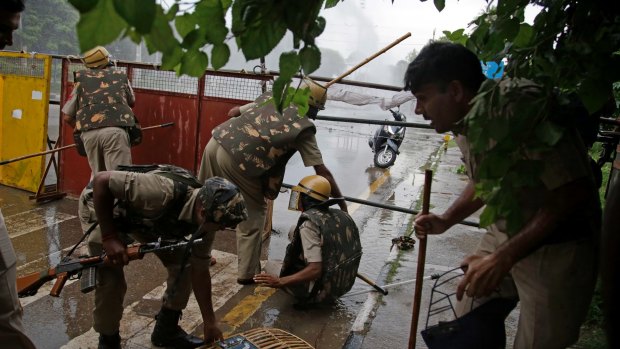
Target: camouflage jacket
x,y
101,99
261,139
341,252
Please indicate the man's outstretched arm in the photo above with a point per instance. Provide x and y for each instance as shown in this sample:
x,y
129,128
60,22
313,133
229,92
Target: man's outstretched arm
x,y
103,200
322,170
201,284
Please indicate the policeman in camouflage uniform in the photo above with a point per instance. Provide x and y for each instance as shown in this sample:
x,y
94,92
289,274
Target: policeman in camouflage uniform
x,y
324,252
251,150
550,262
153,205
100,110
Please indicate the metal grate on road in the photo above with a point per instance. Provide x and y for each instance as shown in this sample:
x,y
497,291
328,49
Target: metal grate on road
x,y
22,66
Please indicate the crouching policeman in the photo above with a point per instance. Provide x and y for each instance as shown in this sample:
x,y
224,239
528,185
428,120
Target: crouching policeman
x,y
166,203
324,252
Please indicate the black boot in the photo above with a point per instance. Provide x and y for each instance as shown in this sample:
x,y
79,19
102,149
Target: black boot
x,y
168,333
109,342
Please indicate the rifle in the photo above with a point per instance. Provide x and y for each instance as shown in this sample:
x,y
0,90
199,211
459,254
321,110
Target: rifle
x,y
84,268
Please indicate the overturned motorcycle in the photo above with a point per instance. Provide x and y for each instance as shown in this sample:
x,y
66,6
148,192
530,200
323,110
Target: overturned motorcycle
x,y
386,141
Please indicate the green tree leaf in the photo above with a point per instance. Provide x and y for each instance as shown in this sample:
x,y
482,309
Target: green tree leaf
x,y
289,64
219,55
310,57
185,24
300,99
194,63
100,26
83,5
194,40
331,3
258,29
161,38
172,12
525,35
279,85
210,14
509,29
138,13
440,4
171,59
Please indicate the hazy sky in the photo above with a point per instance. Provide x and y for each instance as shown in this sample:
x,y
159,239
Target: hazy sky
x,y
356,29
369,25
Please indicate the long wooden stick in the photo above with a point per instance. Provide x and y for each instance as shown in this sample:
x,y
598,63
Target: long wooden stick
x,y
343,75
69,146
428,178
372,283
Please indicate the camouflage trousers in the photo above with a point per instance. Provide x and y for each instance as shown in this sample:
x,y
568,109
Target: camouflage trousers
x,y
217,162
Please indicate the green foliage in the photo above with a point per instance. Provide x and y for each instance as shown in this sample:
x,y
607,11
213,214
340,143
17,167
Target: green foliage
x,y
507,131
592,335
257,26
571,46
43,20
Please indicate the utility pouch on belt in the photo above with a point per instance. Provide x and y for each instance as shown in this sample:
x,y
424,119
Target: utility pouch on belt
x,y
135,133
79,144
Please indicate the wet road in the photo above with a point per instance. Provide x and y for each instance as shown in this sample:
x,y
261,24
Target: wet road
x,y
41,233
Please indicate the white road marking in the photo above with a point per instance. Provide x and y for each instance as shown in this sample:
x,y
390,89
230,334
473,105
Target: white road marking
x,y
33,220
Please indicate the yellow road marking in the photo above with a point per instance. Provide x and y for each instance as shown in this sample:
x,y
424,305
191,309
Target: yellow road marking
x,y
244,309
371,189
250,304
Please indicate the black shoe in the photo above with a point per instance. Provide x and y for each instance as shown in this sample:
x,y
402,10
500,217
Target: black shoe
x,y
168,333
109,342
246,281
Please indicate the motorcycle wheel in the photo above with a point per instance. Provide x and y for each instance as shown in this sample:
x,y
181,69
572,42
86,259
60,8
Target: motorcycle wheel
x,y
385,157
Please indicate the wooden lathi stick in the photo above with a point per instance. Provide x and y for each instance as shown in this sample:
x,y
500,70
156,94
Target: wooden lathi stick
x,y
343,75
426,198
4,162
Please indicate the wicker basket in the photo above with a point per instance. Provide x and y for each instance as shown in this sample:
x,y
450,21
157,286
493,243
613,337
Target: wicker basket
x,y
268,338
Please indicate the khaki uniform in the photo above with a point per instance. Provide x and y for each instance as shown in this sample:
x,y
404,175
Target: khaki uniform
x,y
332,238
554,283
99,104
218,161
148,194
12,333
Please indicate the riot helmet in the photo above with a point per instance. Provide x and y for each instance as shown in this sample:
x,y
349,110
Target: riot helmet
x,y
314,189
223,202
97,57
318,93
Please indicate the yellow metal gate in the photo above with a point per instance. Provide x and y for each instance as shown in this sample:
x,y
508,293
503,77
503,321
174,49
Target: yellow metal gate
x,y
24,98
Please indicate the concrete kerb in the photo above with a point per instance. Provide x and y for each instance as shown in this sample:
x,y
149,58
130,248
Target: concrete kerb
x,y
389,269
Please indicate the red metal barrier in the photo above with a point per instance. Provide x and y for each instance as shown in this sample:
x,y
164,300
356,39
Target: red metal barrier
x,y
195,106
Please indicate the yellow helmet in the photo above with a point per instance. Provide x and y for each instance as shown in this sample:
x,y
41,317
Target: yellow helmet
x,y
97,57
315,186
318,93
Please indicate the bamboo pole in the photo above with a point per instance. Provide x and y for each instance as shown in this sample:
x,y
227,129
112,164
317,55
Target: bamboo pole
x,y
69,146
372,283
343,75
428,177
